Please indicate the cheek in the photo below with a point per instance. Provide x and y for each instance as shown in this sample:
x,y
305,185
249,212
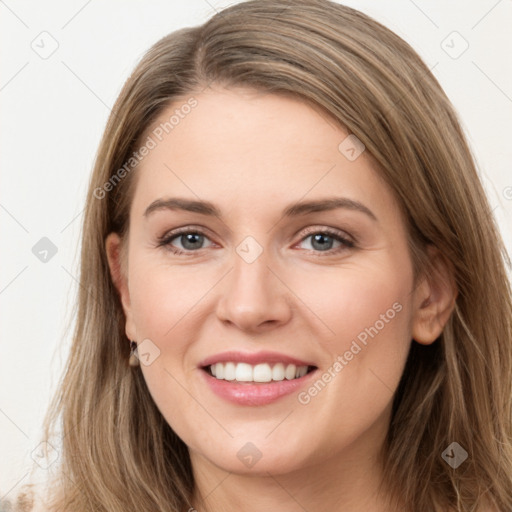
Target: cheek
x,y
162,298
163,302
367,309
361,302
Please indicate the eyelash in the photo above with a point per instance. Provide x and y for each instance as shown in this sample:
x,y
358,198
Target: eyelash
x,y
167,238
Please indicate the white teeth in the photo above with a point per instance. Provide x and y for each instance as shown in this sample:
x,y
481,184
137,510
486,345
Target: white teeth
x,y
290,371
278,372
263,372
243,372
219,370
301,371
229,371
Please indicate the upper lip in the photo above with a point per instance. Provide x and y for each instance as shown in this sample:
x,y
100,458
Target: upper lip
x,y
252,358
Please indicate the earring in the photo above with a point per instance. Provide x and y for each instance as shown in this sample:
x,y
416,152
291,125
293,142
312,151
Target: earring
x,y
134,360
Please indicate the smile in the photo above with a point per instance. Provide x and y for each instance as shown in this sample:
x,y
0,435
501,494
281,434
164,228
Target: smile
x,y
263,372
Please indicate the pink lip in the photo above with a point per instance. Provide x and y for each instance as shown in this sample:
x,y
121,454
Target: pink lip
x,y
250,393
252,358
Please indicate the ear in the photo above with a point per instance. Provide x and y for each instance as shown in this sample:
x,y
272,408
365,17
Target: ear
x,y
119,272
434,299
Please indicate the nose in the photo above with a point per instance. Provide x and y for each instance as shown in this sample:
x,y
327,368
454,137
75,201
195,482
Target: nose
x,y
254,297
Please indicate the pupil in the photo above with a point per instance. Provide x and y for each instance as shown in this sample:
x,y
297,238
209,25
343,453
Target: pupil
x,y
321,239
190,238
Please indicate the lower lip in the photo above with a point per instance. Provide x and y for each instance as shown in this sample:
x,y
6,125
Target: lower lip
x,y
250,393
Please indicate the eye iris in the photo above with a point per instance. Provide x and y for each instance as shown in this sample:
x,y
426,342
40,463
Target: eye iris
x,y
191,238
321,238
191,241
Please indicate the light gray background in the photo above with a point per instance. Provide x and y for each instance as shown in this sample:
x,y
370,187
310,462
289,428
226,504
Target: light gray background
x,y
53,112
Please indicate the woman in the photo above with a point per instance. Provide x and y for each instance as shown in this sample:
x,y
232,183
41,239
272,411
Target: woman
x,y
340,336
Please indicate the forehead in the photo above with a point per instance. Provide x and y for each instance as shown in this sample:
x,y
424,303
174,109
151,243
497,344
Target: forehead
x,y
247,146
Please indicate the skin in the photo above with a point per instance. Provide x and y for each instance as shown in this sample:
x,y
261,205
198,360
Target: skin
x,y
253,154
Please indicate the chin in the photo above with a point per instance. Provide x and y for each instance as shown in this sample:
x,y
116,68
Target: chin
x,y
257,459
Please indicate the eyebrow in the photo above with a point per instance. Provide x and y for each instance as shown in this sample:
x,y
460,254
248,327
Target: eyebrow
x,y
295,209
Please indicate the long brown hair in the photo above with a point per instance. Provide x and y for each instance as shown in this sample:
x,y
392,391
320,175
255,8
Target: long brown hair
x,y
118,452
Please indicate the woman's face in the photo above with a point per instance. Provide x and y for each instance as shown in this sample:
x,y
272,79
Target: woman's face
x,y
277,276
